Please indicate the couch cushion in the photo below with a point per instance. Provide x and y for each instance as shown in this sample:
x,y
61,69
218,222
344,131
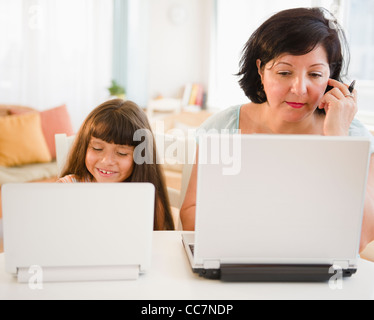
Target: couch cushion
x,y
22,140
28,173
54,121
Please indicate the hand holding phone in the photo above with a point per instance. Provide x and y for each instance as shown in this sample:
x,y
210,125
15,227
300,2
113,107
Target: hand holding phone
x,y
340,104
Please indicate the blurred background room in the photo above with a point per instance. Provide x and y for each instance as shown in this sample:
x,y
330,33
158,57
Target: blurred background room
x,y
68,52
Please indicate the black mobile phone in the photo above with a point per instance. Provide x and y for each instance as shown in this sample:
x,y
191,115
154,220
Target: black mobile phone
x,y
328,89
351,87
323,111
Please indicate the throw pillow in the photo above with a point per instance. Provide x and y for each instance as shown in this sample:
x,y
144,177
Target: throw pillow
x,y
22,140
54,121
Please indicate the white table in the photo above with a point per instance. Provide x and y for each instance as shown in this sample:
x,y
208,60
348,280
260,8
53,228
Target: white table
x,y
171,278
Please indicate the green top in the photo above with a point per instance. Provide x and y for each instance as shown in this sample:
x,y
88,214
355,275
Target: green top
x,y
228,120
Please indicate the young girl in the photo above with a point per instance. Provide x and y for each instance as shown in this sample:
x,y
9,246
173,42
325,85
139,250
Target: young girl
x,y
104,149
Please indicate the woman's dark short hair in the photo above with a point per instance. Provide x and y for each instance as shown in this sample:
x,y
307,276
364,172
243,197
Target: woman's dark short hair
x,y
296,32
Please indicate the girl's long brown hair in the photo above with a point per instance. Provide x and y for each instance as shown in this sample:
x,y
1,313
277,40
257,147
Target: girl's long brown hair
x,y
116,121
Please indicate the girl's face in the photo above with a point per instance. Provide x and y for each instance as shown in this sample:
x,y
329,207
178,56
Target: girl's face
x,y
108,162
294,85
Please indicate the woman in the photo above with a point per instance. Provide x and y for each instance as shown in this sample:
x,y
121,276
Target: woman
x,y
291,71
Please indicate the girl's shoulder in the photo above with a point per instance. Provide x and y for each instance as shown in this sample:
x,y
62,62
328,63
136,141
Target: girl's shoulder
x,y
70,179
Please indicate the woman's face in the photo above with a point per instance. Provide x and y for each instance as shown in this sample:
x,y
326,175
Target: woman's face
x,y
294,85
108,162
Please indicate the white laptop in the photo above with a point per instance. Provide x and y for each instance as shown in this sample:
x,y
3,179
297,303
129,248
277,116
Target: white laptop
x,y
278,208
78,232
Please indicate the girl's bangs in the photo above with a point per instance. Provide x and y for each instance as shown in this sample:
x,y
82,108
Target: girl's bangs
x,y
117,132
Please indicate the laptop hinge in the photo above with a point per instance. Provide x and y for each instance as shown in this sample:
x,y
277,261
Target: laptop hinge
x,y
342,264
275,273
285,273
72,274
212,264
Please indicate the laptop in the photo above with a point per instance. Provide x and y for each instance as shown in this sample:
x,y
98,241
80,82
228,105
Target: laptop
x,y
78,232
278,207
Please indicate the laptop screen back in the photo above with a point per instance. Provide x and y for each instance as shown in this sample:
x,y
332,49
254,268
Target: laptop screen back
x,y
280,199
88,224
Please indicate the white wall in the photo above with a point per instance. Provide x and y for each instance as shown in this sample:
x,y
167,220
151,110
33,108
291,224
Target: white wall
x,y
236,21
178,51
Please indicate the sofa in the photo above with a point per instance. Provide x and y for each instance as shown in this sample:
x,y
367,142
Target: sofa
x,y
27,147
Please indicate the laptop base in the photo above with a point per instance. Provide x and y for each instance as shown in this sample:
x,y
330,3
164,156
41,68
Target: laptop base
x,y
266,272
78,274
274,273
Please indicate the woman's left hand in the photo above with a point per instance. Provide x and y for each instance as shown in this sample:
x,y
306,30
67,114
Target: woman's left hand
x,y
341,107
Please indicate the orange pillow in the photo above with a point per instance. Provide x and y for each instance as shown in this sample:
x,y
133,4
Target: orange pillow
x,y
22,140
54,121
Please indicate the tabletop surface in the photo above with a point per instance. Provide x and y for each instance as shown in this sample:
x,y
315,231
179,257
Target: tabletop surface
x,y
171,278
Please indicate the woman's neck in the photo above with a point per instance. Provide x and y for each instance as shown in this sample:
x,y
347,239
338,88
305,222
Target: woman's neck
x,y
263,120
